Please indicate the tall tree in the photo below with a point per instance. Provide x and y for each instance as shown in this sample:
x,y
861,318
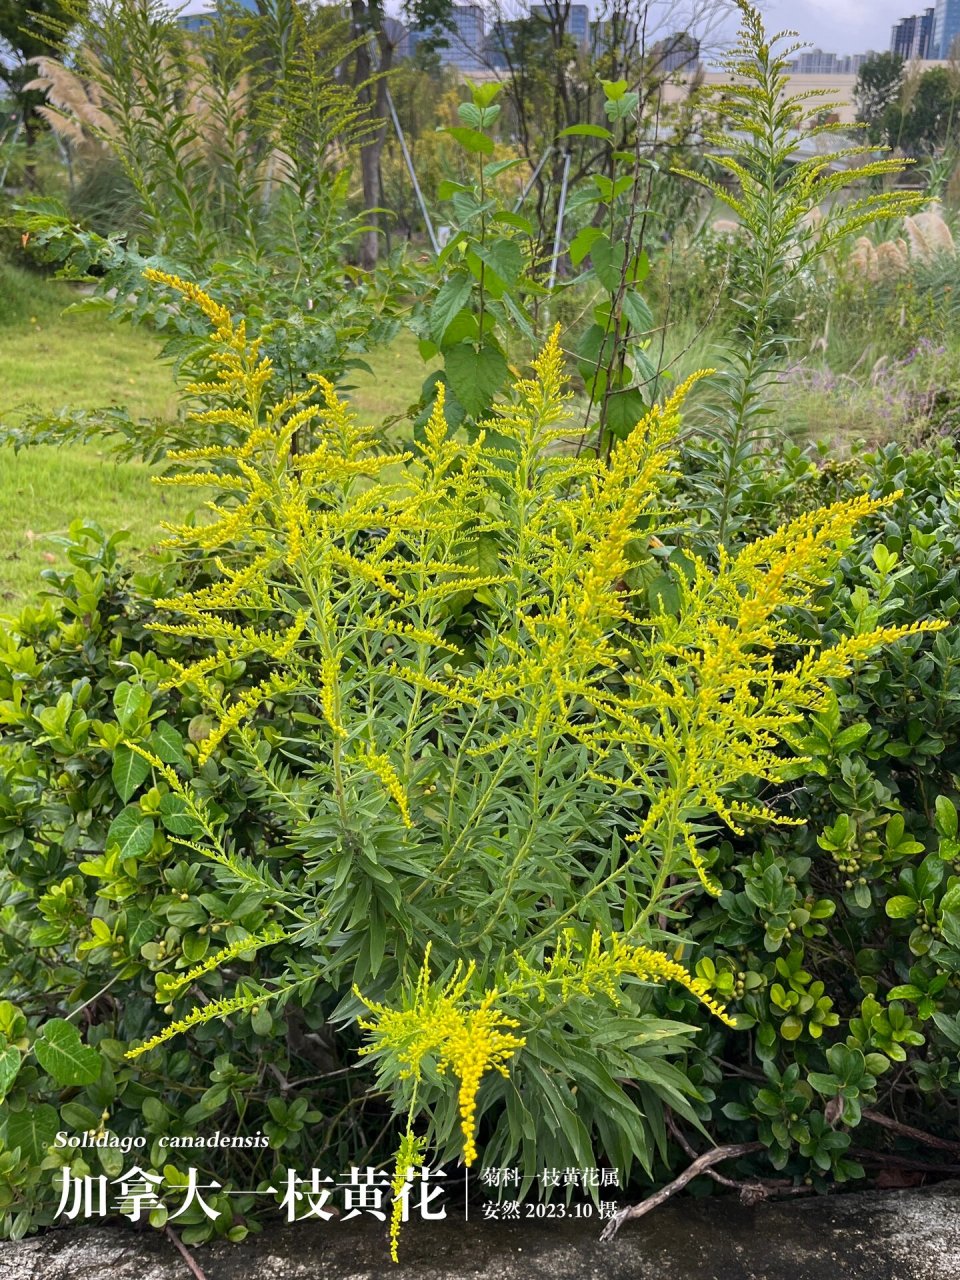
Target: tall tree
x,y
25,34
377,36
878,87
925,120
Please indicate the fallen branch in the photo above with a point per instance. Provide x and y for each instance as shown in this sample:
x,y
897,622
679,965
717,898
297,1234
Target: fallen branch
x,y
185,1253
691,1154
908,1131
904,1162
753,1191
709,1158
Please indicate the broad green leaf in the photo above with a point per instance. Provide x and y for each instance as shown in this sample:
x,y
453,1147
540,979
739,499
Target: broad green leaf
x,y
464,327
132,830
901,907
470,114
476,374
62,1054
624,411
607,262
851,736
496,167
929,874
664,597
129,771
582,243
32,1130
131,706
516,220
505,257
620,108
10,1059
471,140
946,817
484,94
76,1116
586,131
166,743
176,816
637,311
483,273
613,89
451,298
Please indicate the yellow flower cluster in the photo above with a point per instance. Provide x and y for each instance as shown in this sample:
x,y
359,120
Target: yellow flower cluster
x,y
349,563
171,985
215,1009
381,766
573,970
440,1023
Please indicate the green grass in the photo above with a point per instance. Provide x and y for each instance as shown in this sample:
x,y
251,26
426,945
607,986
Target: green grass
x,y
394,385
49,361
42,490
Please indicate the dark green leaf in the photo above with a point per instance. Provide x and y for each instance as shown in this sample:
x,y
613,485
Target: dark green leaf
x,y
476,374
129,770
62,1053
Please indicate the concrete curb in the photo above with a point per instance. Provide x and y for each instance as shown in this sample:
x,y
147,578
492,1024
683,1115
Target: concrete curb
x,y
904,1235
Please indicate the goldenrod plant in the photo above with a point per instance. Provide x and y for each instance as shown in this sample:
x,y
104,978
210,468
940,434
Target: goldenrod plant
x,y
522,726
790,207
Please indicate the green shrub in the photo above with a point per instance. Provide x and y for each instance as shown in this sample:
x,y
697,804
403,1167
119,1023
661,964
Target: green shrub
x,y
842,936
445,739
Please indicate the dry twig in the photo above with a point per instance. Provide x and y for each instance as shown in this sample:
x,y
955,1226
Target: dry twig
x,y
908,1131
733,1151
193,1265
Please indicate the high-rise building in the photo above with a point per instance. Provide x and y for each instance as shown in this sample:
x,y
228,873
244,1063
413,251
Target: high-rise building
x,y
912,37
679,52
461,40
576,24
466,41
814,62
946,27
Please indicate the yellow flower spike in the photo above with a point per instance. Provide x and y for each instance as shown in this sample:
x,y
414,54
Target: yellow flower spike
x,y
409,1158
217,314
442,1023
381,767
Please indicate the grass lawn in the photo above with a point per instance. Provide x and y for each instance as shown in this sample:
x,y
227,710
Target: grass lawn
x,y
50,361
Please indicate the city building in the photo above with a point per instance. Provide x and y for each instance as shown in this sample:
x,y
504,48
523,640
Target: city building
x,y
679,52
946,27
912,38
195,14
576,23
814,62
462,39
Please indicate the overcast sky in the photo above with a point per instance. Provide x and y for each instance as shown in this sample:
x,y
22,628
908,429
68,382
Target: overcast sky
x,y
836,26
842,26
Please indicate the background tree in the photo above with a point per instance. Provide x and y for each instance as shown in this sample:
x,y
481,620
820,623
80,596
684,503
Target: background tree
x,y
878,88
553,81
924,121
377,36
25,34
